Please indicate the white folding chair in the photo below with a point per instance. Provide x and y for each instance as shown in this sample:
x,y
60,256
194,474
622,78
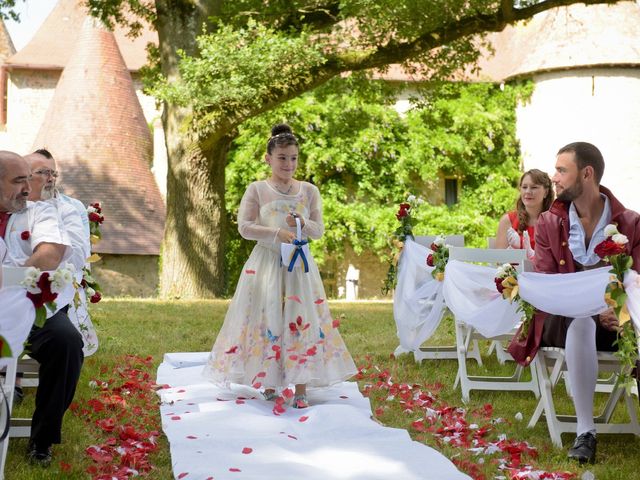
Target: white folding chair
x,y
496,346
549,364
6,396
444,352
465,334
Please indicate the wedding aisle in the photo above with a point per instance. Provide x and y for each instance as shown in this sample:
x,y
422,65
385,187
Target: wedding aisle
x,y
232,434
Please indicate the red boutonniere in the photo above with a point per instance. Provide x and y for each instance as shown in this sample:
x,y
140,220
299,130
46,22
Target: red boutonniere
x,y
25,235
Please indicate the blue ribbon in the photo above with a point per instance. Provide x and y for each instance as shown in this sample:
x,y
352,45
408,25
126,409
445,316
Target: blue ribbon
x,y
298,251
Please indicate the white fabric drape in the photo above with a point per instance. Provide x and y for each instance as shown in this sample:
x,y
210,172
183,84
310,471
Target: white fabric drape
x,y
17,315
469,291
418,303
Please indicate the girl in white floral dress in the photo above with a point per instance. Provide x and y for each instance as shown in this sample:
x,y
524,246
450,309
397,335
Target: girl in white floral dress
x,y
278,330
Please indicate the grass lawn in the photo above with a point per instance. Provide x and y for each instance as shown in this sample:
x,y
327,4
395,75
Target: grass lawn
x,y
146,328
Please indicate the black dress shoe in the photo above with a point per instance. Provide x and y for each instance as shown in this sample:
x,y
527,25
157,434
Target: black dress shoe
x,y
584,448
39,455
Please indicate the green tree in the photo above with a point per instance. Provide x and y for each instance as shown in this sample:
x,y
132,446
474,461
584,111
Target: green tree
x,y
220,63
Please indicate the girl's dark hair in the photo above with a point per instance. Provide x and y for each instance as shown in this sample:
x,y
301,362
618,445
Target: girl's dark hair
x,y
538,177
281,136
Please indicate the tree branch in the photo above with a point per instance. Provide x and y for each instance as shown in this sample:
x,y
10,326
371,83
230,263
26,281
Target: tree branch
x,y
397,52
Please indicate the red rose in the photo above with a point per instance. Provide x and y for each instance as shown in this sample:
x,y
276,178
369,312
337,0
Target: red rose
x,y
434,247
44,284
499,284
97,207
405,206
25,235
609,247
94,217
95,298
430,260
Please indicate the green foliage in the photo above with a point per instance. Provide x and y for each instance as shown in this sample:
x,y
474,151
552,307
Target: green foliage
x,y
215,83
366,158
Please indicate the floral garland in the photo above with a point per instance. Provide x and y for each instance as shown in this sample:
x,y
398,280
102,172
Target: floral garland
x,y
43,288
439,258
94,212
400,235
506,280
613,251
91,286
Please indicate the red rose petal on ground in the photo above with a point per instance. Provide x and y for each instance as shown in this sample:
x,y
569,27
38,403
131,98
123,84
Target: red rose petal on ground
x,y
257,385
183,474
235,470
181,391
250,272
319,301
335,323
240,402
343,396
291,436
191,437
247,450
304,418
233,349
65,467
287,393
295,298
176,417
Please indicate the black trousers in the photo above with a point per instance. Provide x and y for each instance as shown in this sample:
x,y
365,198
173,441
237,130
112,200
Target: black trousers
x,y
57,346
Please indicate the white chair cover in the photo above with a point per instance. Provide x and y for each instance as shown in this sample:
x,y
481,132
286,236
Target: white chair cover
x,y
418,303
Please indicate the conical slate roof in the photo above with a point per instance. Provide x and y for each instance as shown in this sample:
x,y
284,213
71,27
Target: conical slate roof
x,y
51,46
97,132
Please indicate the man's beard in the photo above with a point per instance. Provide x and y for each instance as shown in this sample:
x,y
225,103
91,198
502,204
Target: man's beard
x,y
18,203
571,193
47,192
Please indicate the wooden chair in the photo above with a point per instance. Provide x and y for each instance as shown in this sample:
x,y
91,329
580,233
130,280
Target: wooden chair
x,y
550,367
444,352
466,334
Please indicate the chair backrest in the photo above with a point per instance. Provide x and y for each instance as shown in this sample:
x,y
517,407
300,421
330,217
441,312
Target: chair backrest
x,y
453,240
490,256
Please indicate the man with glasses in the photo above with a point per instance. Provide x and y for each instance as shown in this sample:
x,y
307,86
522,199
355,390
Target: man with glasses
x,y
35,237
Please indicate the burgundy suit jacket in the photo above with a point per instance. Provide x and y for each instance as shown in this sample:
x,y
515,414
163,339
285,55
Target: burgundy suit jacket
x,y
553,256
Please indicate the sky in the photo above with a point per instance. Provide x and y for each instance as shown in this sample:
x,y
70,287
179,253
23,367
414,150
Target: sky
x,y
32,14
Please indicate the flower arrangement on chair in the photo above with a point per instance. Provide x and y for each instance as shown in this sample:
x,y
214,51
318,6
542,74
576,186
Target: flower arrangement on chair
x,y
613,251
43,288
90,285
400,235
506,280
439,258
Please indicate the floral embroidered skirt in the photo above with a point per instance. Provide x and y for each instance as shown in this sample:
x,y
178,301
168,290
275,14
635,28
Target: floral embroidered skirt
x,y
278,330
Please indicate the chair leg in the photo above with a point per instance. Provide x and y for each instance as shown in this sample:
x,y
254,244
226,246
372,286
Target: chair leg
x,y
8,389
463,336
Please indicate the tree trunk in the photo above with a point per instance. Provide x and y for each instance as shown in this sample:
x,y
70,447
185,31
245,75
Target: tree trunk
x,y
192,264
195,231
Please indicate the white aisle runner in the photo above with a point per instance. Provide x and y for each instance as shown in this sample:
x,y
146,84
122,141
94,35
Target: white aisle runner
x,y
230,434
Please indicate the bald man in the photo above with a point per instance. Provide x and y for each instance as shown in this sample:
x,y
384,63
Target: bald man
x,y
34,237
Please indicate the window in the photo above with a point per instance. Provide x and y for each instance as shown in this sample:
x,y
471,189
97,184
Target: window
x,y
450,191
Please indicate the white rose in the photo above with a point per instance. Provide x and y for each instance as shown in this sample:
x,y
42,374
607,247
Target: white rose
x,y
90,292
610,230
500,272
620,239
90,209
439,241
411,198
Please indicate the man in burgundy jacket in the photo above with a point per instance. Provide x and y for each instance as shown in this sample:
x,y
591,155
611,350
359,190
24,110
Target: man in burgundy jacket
x,y
565,239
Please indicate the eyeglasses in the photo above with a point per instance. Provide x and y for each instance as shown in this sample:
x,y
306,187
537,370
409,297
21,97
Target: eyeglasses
x,y
46,173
